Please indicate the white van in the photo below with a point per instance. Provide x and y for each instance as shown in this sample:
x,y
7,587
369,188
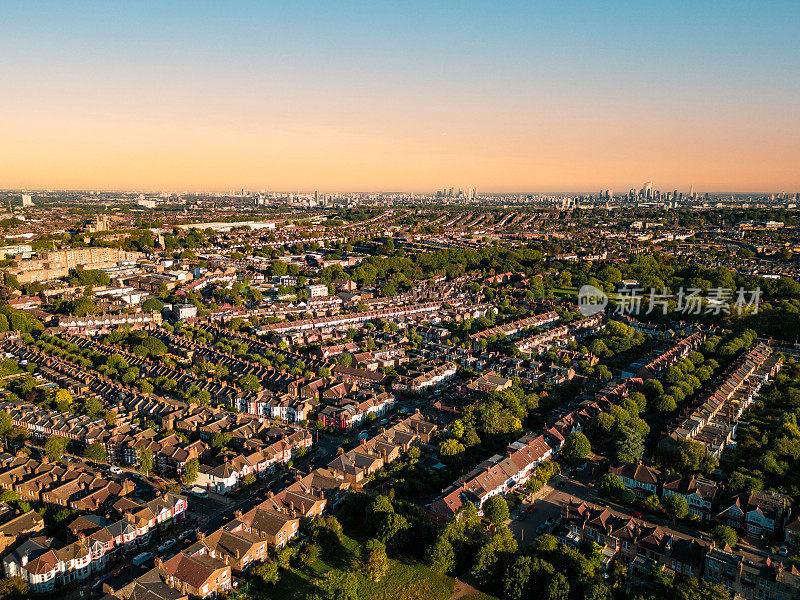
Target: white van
x,y
116,470
199,492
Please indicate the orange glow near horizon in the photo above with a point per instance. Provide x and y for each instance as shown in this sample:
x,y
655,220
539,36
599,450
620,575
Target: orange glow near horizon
x,y
524,97
358,152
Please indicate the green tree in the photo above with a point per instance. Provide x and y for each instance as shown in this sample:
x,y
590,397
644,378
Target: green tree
x,y
92,408
651,502
152,305
190,471
629,445
96,452
639,399
725,535
249,383
55,447
500,547
652,388
451,450
610,486
602,426
666,404
63,400
597,590
339,585
392,530
146,461
675,506
154,346
374,561
220,440
376,510
558,588
13,588
516,577
5,423
495,509
440,556
310,554
692,589
576,447
267,572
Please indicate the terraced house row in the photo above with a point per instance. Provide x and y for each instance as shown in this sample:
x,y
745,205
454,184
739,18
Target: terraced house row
x,y
559,336
411,311
510,329
500,475
754,513
645,547
44,563
496,476
713,421
357,465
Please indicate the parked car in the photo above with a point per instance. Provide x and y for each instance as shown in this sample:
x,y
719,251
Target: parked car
x,y
185,535
199,492
531,508
142,558
116,470
522,516
166,545
541,529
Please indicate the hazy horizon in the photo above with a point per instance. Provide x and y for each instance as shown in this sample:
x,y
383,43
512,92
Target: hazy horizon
x,y
510,98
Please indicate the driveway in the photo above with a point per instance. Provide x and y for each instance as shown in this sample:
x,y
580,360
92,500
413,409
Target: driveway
x,y
548,502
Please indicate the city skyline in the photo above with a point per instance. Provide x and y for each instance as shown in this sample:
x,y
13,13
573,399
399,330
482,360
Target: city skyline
x,y
512,98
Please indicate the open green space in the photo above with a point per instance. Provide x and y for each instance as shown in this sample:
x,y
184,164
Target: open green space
x,y
404,580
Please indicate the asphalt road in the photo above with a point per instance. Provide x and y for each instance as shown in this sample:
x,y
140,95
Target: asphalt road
x,y
548,502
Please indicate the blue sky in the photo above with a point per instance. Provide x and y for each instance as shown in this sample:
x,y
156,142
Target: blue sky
x,y
474,72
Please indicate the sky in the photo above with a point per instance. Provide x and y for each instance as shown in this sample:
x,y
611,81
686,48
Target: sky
x,y
400,96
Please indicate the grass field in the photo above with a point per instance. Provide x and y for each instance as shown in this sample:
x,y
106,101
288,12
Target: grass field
x,y
404,580
478,596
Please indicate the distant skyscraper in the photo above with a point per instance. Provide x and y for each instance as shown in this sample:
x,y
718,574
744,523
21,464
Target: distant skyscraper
x,y
26,200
